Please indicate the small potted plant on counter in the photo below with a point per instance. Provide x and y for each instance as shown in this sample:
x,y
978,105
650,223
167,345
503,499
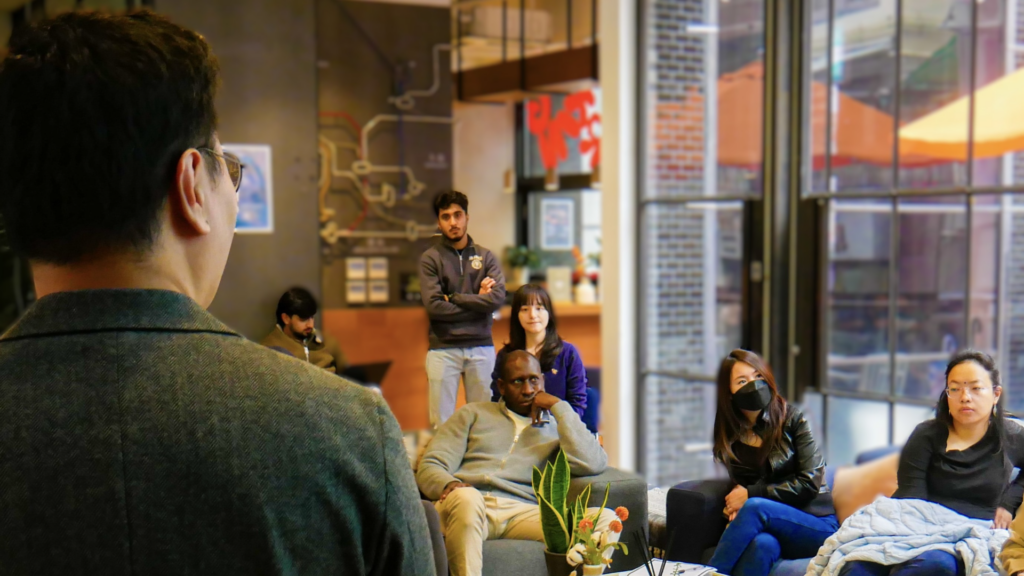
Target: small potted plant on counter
x,y
521,259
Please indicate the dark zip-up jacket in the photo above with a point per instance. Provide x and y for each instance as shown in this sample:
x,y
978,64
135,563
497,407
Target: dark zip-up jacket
x,y
463,320
794,472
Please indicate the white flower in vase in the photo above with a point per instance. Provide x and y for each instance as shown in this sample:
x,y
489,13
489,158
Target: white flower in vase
x,y
575,555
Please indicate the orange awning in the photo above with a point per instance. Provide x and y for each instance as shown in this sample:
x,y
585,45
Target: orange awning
x,y
998,124
861,133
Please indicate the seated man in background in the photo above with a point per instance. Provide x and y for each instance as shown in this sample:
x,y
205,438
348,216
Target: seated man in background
x,y
296,333
479,466
140,435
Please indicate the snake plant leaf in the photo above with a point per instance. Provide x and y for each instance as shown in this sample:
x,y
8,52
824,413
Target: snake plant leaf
x,y
607,489
556,533
559,493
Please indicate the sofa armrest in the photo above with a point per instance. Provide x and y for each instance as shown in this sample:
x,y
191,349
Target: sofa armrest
x,y
436,538
694,517
625,489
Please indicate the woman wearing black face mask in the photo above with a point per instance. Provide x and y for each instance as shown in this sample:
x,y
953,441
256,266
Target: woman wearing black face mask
x,y
777,509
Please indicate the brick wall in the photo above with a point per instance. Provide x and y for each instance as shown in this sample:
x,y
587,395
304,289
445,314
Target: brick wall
x,y
674,338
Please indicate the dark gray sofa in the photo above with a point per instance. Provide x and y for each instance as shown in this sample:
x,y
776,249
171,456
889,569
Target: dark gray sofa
x,y
525,558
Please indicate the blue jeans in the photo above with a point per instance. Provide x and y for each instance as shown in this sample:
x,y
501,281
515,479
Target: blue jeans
x,y
444,368
765,531
931,563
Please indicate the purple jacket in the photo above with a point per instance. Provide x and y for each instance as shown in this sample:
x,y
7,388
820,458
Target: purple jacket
x,y
567,378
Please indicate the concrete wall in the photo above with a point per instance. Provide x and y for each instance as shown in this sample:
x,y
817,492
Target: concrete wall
x,y
366,51
267,51
484,148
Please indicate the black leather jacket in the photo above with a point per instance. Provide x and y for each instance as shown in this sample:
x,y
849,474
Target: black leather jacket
x,y
794,472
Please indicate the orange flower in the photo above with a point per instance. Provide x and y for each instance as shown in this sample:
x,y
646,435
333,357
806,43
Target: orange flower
x,y
622,513
586,524
615,526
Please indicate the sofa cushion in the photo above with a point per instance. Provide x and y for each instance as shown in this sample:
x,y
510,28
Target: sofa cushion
x,y
857,486
436,538
508,557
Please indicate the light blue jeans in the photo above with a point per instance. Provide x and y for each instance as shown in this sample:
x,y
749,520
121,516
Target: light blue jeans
x,y
446,366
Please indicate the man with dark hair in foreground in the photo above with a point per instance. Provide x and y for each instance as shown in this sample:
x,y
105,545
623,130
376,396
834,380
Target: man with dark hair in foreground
x,y
138,434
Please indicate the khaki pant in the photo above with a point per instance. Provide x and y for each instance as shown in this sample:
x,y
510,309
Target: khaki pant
x,y
468,517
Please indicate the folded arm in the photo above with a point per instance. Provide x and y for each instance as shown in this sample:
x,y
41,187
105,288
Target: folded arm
x,y
438,308
586,456
485,303
802,487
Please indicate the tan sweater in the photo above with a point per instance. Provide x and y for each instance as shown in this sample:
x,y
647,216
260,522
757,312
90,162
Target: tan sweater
x,y
1012,555
316,353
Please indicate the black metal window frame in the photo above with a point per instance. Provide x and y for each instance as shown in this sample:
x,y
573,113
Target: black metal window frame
x,y
823,200
766,243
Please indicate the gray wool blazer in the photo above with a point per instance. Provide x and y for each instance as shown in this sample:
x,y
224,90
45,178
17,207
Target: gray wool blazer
x,y
139,435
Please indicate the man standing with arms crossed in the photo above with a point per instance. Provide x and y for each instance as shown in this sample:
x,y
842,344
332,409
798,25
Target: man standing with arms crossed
x,y
462,285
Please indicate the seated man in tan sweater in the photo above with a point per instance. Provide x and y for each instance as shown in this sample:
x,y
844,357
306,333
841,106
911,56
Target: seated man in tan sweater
x,y
296,334
479,467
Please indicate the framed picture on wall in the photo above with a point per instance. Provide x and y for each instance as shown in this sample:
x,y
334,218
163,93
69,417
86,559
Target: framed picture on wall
x,y
256,194
557,223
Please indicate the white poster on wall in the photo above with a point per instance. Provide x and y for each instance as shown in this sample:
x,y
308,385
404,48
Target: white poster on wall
x,y
557,219
256,194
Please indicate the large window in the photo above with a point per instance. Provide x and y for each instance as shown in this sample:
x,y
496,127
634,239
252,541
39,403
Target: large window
x,y
702,127
910,187
908,148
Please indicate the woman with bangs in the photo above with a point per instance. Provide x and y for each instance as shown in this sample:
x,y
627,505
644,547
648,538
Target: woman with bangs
x,y
533,328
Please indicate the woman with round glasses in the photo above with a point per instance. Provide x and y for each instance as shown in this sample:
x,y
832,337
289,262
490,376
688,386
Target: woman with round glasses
x,y
961,460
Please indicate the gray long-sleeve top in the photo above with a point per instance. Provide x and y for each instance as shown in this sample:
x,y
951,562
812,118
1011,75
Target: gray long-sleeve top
x,y
479,446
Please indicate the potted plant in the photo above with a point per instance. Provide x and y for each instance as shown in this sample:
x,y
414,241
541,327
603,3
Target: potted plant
x,y
521,259
593,549
570,537
556,518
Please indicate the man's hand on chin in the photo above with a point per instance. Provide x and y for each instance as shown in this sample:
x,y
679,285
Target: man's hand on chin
x,y
543,401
